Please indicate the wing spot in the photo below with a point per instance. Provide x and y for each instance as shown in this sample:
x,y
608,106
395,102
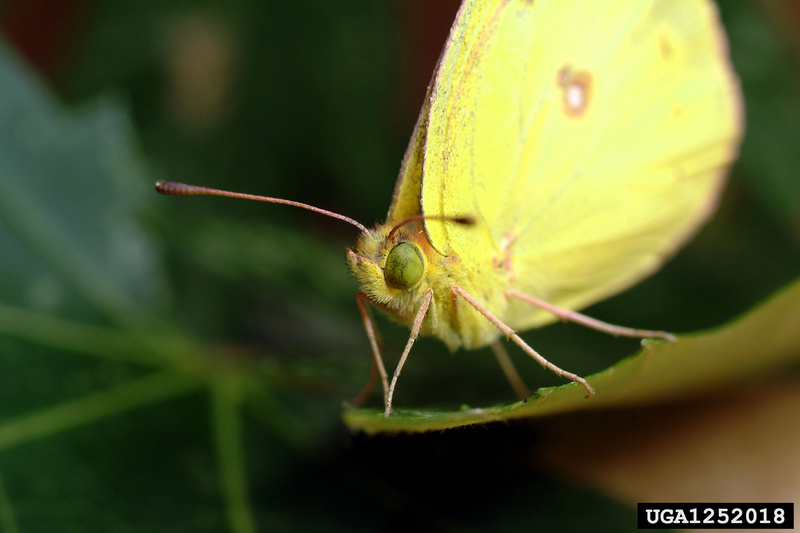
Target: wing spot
x,y
678,112
666,47
577,88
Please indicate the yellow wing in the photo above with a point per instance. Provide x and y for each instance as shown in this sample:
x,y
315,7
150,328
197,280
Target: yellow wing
x,y
589,138
406,199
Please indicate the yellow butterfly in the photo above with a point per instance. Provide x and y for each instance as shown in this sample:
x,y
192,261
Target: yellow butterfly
x,y
564,150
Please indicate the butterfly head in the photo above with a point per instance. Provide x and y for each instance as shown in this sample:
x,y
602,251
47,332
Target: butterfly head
x,y
390,263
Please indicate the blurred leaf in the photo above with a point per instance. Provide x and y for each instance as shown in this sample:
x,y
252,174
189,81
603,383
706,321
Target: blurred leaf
x,y
736,446
68,195
82,278
110,418
702,363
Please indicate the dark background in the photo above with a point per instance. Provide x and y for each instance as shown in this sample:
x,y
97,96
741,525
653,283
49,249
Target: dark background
x,y
315,101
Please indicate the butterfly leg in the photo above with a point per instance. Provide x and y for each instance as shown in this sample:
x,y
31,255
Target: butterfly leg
x,y
413,337
589,322
377,362
512,376
509,333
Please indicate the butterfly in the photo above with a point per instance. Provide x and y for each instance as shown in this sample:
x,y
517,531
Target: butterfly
x,y
564,150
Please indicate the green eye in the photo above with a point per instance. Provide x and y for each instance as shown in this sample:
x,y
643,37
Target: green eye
x,y
404,266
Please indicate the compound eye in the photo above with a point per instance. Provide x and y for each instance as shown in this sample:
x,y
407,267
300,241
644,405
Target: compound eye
x,y
404,266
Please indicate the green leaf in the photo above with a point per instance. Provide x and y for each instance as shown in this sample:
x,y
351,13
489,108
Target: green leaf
x,y
764,339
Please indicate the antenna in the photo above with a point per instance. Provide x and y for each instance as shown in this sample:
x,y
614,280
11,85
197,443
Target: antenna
x,y
465,219
182,189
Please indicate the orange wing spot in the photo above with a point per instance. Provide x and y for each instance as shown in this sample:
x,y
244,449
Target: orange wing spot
x,y
577,87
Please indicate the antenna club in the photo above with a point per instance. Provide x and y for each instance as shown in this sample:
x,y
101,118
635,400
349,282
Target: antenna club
x,y
175,188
